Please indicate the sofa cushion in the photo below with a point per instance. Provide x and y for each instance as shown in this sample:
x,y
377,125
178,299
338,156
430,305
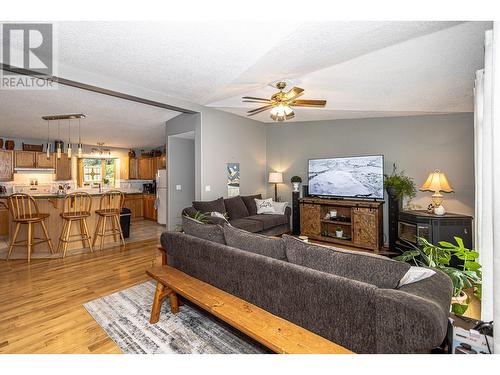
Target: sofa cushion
x,y
367,268
269,220
249,201
256,243
235,208
211,232
248,225
210,206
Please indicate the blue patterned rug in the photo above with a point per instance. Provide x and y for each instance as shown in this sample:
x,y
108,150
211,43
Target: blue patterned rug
x,y
125,318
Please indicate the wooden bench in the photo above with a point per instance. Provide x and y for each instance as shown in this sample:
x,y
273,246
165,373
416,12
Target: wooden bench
x,y
279,335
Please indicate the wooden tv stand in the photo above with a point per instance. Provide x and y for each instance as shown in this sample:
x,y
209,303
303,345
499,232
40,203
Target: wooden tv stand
x,y
361,221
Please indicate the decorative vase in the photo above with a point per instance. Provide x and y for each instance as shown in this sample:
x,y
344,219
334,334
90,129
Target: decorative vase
x,y
131,154
296,186
9,145
333,214
439,210
339,233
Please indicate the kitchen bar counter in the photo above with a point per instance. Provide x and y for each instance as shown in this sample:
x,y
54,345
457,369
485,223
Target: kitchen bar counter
x,y
52,204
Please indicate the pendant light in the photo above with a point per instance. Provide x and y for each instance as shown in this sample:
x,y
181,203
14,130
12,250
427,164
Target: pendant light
x,y
59,151
48,137
80,146
69,139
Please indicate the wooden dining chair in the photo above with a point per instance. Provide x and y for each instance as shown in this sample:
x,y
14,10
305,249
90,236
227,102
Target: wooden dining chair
x,y
110,206
24,211
76,208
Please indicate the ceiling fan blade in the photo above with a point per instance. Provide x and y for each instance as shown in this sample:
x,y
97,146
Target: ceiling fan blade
x,y
308,103
295,92
254,98
258,110
257,101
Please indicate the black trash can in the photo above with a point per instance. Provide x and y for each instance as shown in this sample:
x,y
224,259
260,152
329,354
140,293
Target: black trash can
x,y
125,221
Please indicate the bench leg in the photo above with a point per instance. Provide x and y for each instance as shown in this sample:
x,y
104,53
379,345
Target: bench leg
x,y
160,294
174,302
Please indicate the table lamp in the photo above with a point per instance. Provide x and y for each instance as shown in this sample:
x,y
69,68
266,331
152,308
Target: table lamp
x,y
275,178
437,182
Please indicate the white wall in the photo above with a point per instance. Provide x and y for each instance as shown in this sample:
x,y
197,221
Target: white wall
x,y
417,144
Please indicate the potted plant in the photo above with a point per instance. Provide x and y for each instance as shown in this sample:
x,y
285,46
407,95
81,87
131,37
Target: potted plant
x,y
339,232
399,185
466,278
296,180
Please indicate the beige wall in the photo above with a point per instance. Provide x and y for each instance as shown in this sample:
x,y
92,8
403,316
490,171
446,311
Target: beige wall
x,y
418,144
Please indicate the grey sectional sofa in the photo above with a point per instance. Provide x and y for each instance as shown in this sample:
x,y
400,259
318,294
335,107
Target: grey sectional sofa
x,y
350,298
242,213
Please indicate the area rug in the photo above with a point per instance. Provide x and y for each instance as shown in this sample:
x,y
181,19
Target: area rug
x,y
125,318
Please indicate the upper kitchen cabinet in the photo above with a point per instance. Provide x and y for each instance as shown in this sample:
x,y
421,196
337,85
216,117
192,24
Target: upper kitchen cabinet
x,y
25,159
6,165
43,162
146,168
133,168
30,159
63,168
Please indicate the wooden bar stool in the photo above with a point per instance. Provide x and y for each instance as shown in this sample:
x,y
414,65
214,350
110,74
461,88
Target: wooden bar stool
x,y
110,207
76,208
24,211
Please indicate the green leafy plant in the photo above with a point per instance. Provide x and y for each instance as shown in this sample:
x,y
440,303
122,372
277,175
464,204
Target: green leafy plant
x,y
402,185
296,179
467,276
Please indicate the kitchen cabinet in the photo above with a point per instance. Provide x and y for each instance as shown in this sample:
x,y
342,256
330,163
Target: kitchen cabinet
x,y
150,212
145,168
6,165
4,221
31,159
43,162
25,159
124,168
134,202
133,168
63,168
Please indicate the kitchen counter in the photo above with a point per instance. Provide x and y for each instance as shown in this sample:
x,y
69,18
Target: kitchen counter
x,y
52,204
54,195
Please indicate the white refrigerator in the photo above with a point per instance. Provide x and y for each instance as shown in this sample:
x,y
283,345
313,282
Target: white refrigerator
x,y
161,196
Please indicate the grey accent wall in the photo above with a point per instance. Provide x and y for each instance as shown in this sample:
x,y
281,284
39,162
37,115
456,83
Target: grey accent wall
x,y
418,144
230,138
181,172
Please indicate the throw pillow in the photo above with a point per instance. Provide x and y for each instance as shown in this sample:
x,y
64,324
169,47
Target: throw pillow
x,y
264,206
367,268
279,208
210,232
272,247
235,208
210,206
415,274
218,215
250,203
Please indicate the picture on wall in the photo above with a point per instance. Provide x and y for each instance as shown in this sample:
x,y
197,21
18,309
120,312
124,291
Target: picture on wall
x,y
233,179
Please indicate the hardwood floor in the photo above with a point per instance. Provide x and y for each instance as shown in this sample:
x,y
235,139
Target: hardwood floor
x,y
41,304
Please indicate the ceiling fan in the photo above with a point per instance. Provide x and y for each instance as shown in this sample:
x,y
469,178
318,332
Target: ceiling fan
x,y
281,102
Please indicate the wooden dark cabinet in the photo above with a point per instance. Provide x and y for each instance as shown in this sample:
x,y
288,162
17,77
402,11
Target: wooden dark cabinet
x,y
360,221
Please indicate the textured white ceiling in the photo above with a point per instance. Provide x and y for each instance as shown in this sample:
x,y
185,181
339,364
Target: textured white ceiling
x,y
432,73
364,69
117,122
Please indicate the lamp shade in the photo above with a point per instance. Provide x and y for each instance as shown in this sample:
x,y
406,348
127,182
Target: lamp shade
x,y
275,177
437,181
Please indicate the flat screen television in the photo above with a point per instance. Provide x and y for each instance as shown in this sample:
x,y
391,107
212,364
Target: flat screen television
x,y
349,177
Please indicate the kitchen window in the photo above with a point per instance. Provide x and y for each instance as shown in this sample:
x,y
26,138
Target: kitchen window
x,y
96,171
